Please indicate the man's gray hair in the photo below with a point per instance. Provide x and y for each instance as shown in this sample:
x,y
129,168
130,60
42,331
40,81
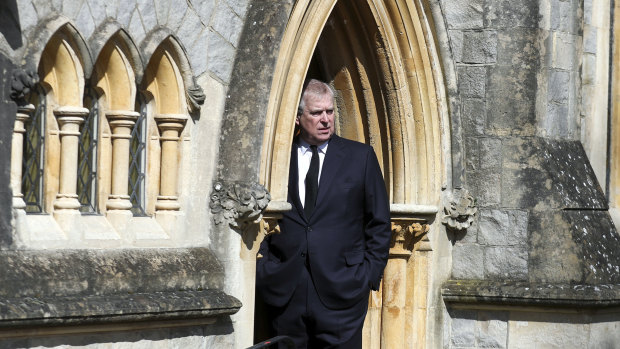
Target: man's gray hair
x,y
314,87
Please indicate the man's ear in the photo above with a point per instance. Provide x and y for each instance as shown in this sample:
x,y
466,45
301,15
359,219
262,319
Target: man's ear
x,y
297,121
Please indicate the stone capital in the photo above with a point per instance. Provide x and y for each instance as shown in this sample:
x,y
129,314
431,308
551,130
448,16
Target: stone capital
x,y
239,204
406,232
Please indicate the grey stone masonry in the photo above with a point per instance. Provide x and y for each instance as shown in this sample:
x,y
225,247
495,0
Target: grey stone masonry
x,y
8,109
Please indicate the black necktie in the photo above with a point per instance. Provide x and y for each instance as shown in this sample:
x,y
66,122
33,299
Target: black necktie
x,y
312,182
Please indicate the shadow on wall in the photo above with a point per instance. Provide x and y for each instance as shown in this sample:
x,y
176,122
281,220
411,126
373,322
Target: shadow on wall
x,y
204,336
9,23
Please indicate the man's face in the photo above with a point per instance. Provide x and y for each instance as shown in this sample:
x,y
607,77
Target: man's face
x,y
317,120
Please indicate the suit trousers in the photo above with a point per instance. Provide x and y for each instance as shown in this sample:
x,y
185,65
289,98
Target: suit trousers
x,y
312,325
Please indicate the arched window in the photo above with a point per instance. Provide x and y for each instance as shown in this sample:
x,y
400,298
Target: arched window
x,y
34,153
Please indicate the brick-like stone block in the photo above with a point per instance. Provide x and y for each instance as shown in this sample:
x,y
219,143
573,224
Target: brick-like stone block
x,y
456,43
490,153
474,115
511,14
492,329
220,55
463,329
147,14
84,21
227,23
505,262
589,39
467,261
178,9
472,81
464,14
485,185
588,72
479,47
472,153
239,6
503,227
564,51
547,330
558,87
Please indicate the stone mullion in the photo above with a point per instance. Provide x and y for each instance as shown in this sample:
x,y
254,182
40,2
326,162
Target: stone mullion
x,y
170,127
121,123
17,154
69,119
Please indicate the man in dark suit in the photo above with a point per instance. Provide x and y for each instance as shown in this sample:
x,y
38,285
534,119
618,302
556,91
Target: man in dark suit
x,y
316,275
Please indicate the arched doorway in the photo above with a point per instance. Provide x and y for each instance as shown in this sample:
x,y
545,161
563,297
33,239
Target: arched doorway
x,y
379,57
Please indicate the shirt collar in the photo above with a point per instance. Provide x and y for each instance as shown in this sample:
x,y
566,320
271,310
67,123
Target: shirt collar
x,y
305,147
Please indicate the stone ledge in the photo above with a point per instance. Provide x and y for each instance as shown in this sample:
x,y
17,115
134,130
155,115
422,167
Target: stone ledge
x,y
530,294
113,308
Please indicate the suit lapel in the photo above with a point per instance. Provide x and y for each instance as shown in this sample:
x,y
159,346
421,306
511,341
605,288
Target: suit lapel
x,y
334,158
293,182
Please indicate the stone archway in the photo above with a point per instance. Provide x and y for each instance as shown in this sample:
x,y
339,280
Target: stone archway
x,y
380,57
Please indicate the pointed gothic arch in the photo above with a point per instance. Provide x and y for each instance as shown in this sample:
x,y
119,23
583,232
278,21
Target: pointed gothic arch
x,y
380,57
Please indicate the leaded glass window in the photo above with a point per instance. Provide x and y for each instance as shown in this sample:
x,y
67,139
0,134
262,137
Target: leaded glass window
x,y
137,157
34,154
87,156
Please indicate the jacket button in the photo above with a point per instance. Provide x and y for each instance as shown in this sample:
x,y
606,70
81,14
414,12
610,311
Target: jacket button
x,y
309,228
303,255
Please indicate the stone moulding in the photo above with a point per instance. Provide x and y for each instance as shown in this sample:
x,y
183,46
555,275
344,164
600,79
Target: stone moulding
x,y
86,287
523,293
240,204
460,212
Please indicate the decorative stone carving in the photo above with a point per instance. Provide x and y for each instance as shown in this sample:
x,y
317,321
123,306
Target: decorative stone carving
x,y
239,204
22,85
405,234
459,214
195,98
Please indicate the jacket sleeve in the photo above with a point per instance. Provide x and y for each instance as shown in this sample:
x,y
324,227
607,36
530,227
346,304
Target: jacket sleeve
x,y
377,226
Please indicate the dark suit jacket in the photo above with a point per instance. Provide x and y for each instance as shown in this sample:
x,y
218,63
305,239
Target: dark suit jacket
x,y
346,239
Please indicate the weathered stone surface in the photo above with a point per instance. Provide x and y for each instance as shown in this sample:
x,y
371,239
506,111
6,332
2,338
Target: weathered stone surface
x,y
510,14
574,246
468,261
474,115
564,52
505,262
503,227
542,330
43,8
125,11
227,23
204,10
558,87
85,22
242,130
162,8
549,174
463,328
197,56
239,6
510,292
512,84
464,14
220,56
27,14
479,47
8,110
485,186
490,153
456,43
135,26
190,28
176,14
472,81
492,329
98,272
146,8
93,286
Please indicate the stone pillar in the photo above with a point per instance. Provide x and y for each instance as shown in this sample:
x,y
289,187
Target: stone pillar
x,y
393,317
170,127
69,120
419,303
121,123
17,154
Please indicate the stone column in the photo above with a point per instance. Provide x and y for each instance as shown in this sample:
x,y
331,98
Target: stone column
x,y
418,303
393,321
17,154
69,120
170,127
121,123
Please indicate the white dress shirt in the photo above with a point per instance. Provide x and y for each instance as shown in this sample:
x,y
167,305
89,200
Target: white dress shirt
x,y
304,155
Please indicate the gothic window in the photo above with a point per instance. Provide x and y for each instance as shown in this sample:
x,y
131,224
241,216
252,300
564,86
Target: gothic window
x,y
34,154
137,157
87,155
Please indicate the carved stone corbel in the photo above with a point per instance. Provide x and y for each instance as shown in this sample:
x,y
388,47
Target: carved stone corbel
x,y
22,85
239,204
406,235
460,212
